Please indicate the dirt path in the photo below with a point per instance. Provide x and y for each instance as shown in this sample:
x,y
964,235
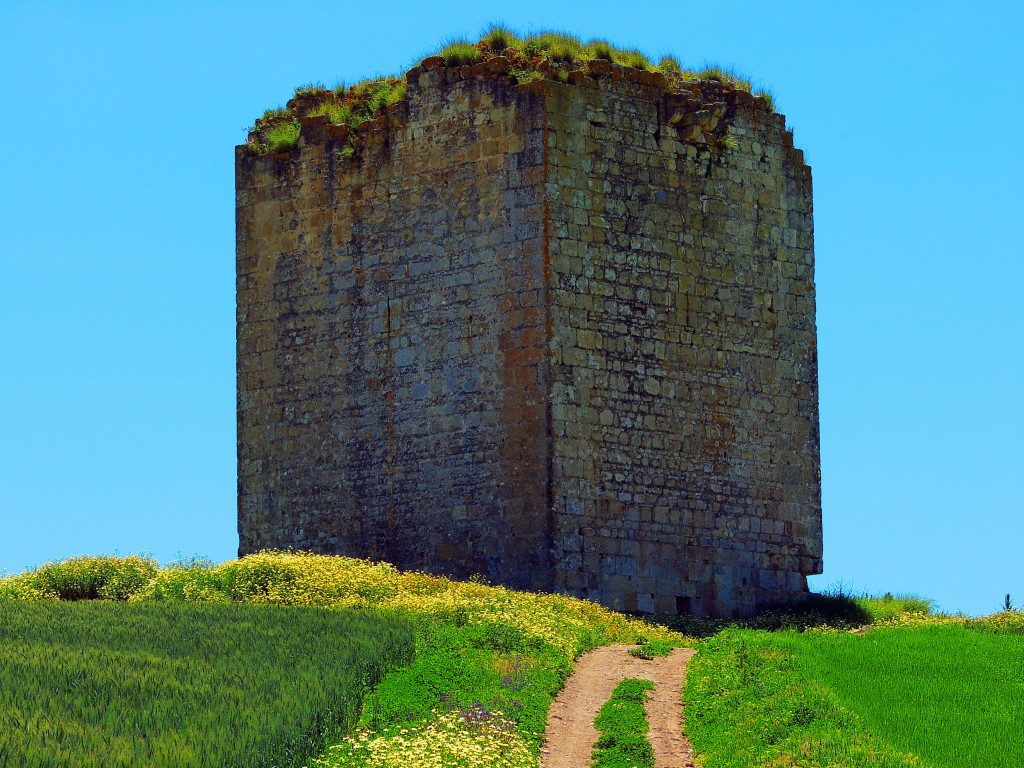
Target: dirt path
x,y
570,734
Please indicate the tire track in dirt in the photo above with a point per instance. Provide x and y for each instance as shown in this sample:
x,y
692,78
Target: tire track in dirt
x,y
569,735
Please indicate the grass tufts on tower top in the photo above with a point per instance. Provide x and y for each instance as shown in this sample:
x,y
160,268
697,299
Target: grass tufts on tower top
x,y
542,55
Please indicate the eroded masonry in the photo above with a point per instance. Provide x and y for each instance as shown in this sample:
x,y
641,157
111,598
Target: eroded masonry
x,y
560,334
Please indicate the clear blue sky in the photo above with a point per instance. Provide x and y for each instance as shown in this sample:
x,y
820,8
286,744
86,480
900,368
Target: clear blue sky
x,y
117,422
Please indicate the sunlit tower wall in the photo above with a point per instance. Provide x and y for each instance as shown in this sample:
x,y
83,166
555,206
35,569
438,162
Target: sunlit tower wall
x,y
560,334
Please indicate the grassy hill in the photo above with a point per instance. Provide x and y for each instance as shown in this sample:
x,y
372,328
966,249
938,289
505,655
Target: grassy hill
x,y
910,689
488,660
328,661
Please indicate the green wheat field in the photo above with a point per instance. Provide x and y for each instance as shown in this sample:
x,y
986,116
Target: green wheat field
x,y
108,684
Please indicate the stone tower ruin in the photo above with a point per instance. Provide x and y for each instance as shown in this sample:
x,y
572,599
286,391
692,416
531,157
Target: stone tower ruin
x,y
560,334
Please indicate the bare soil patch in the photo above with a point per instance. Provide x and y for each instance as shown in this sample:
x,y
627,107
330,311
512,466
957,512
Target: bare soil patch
x,y
570,734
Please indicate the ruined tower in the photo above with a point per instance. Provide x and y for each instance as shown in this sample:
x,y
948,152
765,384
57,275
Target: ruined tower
x,y
561,334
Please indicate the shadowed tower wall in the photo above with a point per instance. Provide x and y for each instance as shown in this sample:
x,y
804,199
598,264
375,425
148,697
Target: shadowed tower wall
x,y
558,334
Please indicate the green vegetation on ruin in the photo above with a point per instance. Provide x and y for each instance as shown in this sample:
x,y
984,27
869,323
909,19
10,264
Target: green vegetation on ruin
x,y
544,55
622,724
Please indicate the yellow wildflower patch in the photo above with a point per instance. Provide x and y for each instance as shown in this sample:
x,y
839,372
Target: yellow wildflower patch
x,y
297,578
471,738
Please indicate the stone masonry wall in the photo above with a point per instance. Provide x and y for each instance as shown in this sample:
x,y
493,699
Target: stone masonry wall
x,y
392,397
685,370
559,334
